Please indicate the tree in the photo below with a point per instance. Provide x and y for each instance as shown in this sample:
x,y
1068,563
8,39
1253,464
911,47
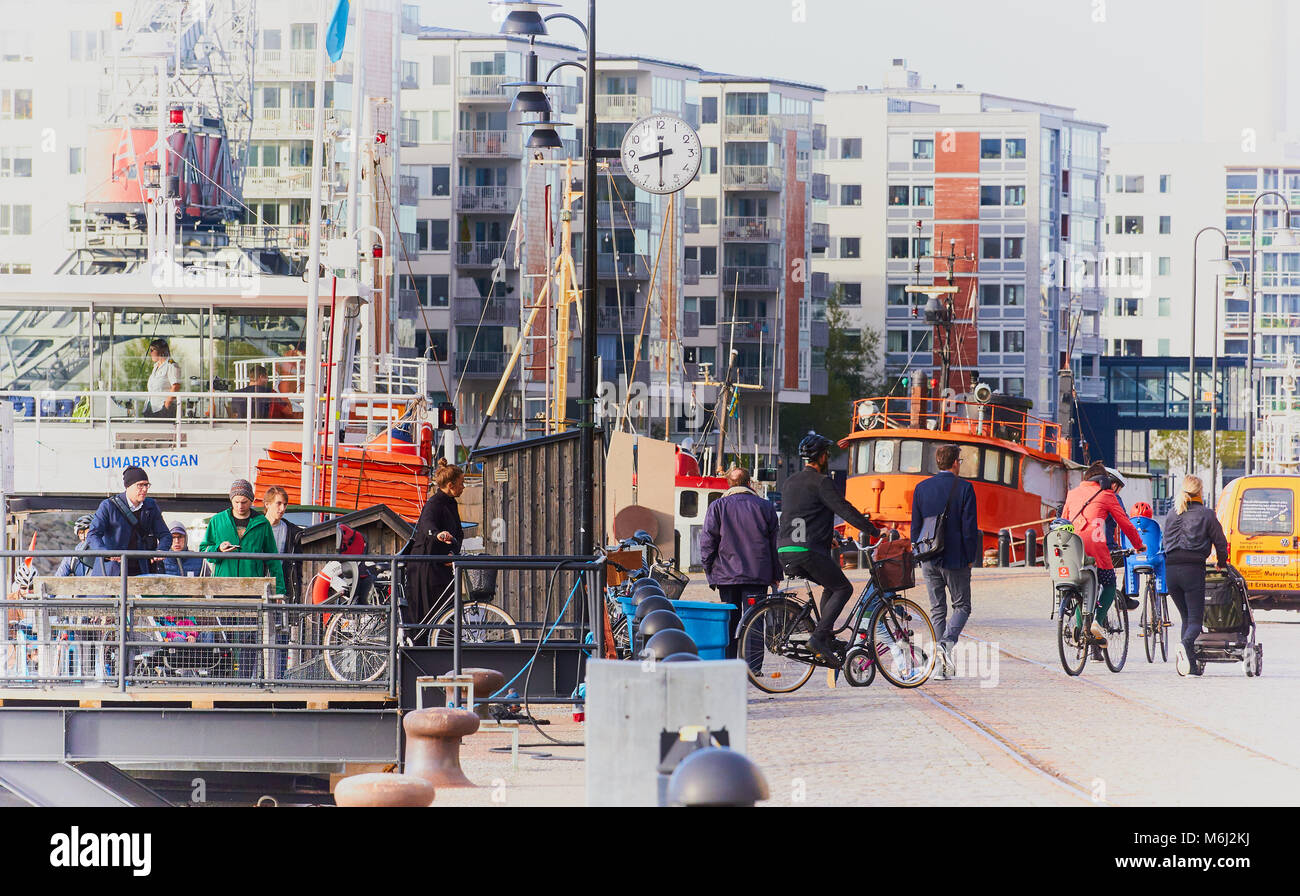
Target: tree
x,y
1169,446
852,372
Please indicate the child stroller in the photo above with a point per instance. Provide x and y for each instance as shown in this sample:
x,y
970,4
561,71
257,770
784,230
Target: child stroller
x,y
186,651
1229,635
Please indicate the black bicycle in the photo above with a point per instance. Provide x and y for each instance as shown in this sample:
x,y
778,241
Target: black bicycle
x,y
888,632
1153,624
1074,627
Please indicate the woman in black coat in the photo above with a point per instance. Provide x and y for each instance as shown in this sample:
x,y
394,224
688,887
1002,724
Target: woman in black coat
x,y
438,531
1191,532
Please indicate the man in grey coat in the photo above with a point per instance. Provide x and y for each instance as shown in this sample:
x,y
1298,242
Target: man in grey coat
x,y
738,548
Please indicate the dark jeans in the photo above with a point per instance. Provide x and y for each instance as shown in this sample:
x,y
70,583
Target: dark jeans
x,y
738,596
947,585
823,570
1186,583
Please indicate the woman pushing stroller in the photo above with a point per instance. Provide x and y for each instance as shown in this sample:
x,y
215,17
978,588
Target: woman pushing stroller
x,y
1191,529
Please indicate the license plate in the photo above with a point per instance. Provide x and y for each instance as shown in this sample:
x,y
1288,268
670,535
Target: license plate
x,y
1267,560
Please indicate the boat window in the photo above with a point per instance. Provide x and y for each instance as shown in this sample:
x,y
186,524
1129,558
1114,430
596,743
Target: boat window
x,y
713,496
689,504
1009,469
862,462
911,456
968,466
1266,511
992,464
884,456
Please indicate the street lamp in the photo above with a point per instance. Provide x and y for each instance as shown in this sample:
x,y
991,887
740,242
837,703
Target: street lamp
x,y
1219,266
526,19
1284,239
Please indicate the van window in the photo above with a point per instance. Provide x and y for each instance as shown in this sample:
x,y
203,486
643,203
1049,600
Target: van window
x,y
968,466
1266,511
911,456
689,504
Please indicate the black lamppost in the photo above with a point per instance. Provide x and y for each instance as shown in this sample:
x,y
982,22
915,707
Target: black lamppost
x,y
1284,239
1222,268
525,18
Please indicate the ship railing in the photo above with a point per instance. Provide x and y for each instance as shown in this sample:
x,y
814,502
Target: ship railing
x,y
390,375
957,417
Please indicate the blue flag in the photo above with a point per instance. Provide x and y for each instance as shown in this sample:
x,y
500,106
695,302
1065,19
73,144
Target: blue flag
x,y
338,30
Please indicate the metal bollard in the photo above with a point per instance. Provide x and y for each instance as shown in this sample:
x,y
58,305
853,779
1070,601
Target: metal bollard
x,y
716,776
1004,548
1031,547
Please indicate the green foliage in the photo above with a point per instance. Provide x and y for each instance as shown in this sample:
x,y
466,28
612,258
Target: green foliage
x,y
853,372
1169,446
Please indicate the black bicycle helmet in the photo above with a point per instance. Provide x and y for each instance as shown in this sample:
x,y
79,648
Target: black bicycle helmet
x,y
813,446
82,522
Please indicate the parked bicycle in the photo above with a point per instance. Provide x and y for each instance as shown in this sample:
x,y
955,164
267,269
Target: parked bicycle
x,y
654,566
889,633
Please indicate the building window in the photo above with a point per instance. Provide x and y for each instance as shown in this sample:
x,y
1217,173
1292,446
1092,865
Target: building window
x,y
1128,224
76,159
16,161
923,196
990,342
1013,247
990,148
896,294
923,149
709,110
1162,269
1014,196
438,291
709,211
990,294
1165,307
905,340
850,247
921,246
441,69
15,105
898,247
991,247
1013,341
1128,307
708,311
850,293
1016,148
1127,183
1162,348
1014,295
708,261
898,195
851,194
438,235
15,220
422,235
1166,183
1166,224
440,180
990,195
710,160
851,148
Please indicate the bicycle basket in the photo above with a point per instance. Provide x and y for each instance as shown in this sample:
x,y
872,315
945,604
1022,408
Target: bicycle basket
x,y
673,581
894,567
479,584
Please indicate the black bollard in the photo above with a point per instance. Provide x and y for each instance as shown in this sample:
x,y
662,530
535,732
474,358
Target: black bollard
x,y
716,776
1031,547
1004,548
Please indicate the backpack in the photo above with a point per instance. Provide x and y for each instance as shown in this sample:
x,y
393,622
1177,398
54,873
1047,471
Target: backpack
x,y
930,540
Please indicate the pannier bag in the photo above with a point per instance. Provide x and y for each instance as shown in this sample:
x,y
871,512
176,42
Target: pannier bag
x,y
895,570
1224,598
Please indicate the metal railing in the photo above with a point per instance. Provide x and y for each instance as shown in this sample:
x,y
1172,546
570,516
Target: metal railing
x,y
481,363
751,277
487,199
494,313
473,254
754,177
633,215
622,107
949,415
1265,320
765,127
489,143
691,271
487,86
741,228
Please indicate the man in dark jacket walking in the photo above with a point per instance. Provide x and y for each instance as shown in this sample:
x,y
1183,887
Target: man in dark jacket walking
x,y
738,547
131,521
948,575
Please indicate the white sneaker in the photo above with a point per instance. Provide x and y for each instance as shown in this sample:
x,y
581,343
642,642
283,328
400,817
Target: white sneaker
x,y
946,663
1181,661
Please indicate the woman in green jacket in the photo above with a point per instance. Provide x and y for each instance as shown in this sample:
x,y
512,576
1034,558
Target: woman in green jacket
x,y
240,529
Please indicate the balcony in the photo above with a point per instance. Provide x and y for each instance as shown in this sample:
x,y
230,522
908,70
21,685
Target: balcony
x,y
821,285
481,255
821,236
752,127
821,186
618,318
565,99
487,199
277,122
631,215
818,137
270,180
409,134
629,265
756,229
408,186
751,177
489,143
487,364
1090,388
752,330
691,271
751,277
620,107
302,63
486,87
494,313
1088,344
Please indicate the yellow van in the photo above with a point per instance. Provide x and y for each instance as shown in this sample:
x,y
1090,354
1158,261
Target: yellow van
x,y
1258,514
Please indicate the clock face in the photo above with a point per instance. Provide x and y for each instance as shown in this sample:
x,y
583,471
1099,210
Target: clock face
x,y
661,154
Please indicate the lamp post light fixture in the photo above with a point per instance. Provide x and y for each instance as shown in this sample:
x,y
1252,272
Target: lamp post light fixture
x,y
1284,239
526,19
1220,265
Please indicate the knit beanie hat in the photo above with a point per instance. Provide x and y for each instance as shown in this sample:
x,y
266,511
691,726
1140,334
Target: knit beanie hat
x,y
241,487
132,475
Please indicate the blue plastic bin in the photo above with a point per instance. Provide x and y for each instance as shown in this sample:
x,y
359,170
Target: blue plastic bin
x,y
24,406
707,623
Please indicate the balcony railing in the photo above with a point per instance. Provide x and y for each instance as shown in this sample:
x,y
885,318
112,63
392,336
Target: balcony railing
x,y
493,313
629,264
489,143
691,271
285,121
632,215
616,318
481,363
408,187
821,186
620,107
751,228
691,220
264,178
484,255
1239,321
821,235
752,329
486,86
487,199
760,127
751,177
751,277
1090,387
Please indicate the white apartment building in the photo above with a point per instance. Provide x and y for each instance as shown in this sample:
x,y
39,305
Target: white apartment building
x,y
1011,187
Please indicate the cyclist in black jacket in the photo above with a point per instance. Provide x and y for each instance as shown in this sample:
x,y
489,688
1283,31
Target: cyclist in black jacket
x,y
809,504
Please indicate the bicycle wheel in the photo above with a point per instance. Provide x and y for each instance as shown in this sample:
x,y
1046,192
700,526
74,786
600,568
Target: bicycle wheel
x,y
480,623
859,667
772,642
360,642
905,633
1163,626
1149,623
1071,636
1116,625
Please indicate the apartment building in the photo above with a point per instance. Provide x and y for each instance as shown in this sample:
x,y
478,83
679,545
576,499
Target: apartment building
x,y
1011,188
